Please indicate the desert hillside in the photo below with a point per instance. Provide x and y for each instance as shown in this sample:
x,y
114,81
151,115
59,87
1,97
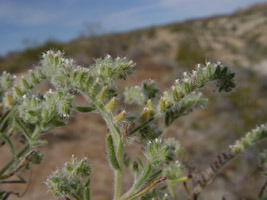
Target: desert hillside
x,y
162,53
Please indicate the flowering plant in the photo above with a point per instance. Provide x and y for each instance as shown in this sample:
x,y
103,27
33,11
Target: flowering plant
x,y
29,115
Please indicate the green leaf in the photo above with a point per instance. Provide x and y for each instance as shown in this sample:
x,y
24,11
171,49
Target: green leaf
x,y
57,123
9,143
5,119
38,143
85,108
19,124
111,153
140,162
143,176
86,195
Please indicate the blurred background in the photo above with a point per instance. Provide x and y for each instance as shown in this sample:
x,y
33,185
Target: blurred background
x,y
164,38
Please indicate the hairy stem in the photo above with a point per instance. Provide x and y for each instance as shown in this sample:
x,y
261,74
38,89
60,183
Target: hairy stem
x,y
118,171
138,182
171,189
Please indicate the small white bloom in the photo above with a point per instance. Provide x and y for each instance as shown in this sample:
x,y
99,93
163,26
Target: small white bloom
x,y
165,94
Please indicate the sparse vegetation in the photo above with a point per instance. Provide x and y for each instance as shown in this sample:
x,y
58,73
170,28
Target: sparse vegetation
x,y
189,53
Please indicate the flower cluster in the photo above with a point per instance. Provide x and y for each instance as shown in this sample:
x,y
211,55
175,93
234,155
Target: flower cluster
x,y
250,139
45,109
6,82
141,94
73,179
161,151
32,114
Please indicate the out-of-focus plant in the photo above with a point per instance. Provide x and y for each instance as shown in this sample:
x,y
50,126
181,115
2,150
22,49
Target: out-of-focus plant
x,y
29,115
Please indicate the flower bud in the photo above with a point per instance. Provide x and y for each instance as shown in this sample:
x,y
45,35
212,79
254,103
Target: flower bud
x,y
118,117
174,94
39,73
93,88
143,116
110,105
25,84
8,101
149,105
100,96
161,105
16,91
33,78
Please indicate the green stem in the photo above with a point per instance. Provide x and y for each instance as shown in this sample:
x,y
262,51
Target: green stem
x,y
36,132
138,182
118,172
112,127
22,128
115,132
117,185
171,189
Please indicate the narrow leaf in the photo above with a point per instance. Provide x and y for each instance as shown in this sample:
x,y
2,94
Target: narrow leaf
x,y
57,123
86,194
22,128
85,108
38,143
9,143
111,153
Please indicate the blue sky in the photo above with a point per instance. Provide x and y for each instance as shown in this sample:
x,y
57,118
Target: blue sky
x,y
24,22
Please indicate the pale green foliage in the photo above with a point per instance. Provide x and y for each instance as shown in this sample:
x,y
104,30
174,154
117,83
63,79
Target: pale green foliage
x,y
45,109
140,95
158,152
107,69
6,82
259,133
29,115
174,171
251,138
72,179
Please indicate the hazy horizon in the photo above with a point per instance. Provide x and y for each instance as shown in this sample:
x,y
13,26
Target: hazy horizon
x,y
30,22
